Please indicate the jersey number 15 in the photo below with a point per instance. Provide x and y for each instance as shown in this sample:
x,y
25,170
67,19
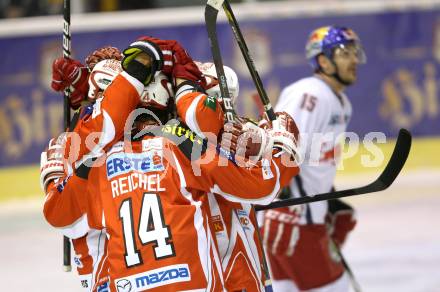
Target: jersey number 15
x,y
308,102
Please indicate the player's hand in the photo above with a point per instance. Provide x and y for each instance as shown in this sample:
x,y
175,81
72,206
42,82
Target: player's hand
x,y
103,53
142,60
177,62
51,161
229,137
71,74
284,133
341,220
249,142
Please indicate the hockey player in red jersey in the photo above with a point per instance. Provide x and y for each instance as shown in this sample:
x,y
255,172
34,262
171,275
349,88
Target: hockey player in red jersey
x,y
156,155
86,84
172,210
298,241
86,88
233,223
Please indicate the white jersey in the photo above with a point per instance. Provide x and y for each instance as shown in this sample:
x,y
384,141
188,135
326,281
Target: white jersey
x,y
322,117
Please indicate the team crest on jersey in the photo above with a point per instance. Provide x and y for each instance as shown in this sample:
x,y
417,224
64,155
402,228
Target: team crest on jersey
x,y
121,163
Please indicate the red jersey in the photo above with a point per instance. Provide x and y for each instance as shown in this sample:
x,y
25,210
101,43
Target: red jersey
x,y
97,129
233,223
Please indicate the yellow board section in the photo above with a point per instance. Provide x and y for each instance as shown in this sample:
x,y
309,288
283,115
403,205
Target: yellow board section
x,y
24,182
20,182
423,155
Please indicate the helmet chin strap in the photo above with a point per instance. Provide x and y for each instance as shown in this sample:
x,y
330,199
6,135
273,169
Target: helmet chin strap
x,y
336,74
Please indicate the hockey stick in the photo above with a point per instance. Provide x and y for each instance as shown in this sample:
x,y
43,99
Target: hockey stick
x,y
66,53
249,61
386,178
211,12
354,282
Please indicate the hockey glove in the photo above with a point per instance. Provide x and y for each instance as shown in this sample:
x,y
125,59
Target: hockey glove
x,y
177,62
103,54
249,142
71,74
143,60
51,161
341,220
284,133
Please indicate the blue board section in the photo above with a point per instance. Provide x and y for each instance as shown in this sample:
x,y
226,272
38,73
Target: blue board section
x,y
396,88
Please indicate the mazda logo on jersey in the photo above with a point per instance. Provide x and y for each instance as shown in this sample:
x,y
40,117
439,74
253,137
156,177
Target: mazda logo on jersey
x,y
154,278
121,163
123,285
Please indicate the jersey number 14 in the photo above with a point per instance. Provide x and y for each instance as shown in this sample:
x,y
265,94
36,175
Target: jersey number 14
x,y
151,229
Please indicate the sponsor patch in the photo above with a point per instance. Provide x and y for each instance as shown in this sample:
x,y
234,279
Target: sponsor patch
x,y
243,218
154,278
77,262
121,163
152,144
217,223
265,168
123,285
85,283
103,288
210,102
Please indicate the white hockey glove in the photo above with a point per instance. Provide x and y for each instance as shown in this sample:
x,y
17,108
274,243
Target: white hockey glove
x,y
51,161
249,142
284,133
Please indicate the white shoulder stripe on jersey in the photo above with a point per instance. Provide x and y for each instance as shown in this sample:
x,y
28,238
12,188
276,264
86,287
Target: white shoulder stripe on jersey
x,y
191,117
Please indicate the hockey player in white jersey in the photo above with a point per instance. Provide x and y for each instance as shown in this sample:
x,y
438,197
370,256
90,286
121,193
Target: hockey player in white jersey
x,y
298,240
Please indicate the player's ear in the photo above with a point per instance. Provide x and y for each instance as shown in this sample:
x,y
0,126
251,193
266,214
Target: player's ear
x,y
325,64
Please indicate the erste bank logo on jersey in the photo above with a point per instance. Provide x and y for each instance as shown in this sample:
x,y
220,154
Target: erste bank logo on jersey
x,y
154,278
121,163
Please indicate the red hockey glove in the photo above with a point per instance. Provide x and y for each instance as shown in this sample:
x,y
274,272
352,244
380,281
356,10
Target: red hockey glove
x,y
51,161
103,53
68,73
341,221
177,62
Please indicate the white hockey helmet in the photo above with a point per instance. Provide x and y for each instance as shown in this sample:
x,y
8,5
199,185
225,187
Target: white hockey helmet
x,y
102,75
208,70
157,93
